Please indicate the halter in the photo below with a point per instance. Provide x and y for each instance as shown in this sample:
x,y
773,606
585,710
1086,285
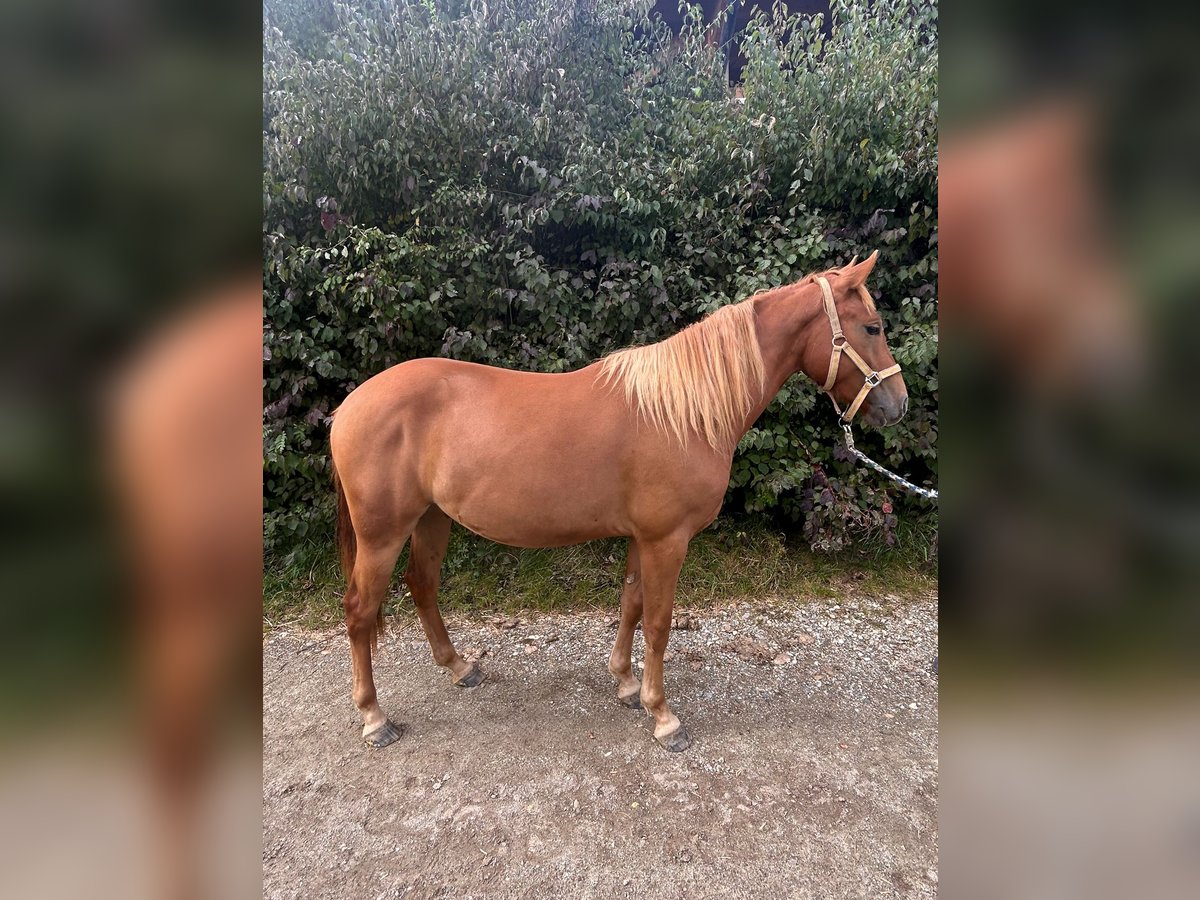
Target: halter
x,y
872,379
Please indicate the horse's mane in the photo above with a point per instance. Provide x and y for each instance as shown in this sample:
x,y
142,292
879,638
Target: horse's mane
x,y
702,380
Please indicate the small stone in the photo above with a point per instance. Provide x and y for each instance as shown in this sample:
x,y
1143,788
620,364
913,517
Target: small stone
x,y
530,648
668,656
697,665
782,659
888,716
803,637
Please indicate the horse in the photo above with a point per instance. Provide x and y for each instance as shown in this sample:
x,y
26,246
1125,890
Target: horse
x,y
637,445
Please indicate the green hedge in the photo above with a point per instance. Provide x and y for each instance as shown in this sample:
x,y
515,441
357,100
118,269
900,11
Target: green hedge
x,y
533,184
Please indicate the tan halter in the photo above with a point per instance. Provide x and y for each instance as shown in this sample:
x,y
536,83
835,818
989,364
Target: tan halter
x,y
872,379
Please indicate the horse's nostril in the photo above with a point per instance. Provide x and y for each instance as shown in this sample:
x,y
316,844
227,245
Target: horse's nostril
x,y
903,406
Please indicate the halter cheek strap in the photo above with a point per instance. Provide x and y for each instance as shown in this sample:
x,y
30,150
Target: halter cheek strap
x,y
871,378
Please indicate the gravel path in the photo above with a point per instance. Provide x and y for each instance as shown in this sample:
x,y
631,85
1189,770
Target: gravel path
x,y
813,770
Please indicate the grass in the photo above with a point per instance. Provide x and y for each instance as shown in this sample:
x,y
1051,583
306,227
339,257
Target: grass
x,y
732,560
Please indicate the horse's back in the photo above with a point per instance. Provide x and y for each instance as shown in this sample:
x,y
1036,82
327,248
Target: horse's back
x,y
463,416
439,388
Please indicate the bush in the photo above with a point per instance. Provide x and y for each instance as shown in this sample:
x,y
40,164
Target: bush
x,y
533,184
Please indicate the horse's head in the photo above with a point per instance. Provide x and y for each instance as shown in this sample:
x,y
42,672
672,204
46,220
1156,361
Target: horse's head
x,y
1028,272
849,355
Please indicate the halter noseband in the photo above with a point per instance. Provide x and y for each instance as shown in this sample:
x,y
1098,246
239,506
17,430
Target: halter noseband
x,y
872,379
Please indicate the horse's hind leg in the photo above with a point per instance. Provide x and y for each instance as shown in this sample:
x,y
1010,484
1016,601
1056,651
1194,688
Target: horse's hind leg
x,y
423,576
373,567
620,663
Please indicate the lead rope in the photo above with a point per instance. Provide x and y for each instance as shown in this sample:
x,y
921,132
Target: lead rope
x,y
928,493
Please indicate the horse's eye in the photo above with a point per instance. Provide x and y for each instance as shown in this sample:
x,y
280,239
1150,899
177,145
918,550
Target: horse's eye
x,y
873,329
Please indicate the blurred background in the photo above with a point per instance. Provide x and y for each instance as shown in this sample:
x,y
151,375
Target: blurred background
x,y
1070,514
129,252
1069,220
130,447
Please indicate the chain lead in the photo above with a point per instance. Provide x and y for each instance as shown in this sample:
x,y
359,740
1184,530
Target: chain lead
x,y
927,493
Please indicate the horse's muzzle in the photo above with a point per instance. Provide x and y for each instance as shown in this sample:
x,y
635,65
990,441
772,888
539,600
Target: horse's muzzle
x,y
883,411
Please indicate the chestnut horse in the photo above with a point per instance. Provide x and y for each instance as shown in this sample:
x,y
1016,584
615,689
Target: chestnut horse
x,y
637,445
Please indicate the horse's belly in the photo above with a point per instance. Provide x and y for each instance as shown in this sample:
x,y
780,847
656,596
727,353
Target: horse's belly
x,y
516,534
534,506
533,528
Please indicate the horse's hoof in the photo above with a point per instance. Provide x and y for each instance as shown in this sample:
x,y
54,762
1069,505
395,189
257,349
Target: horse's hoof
x,y
385,734
473,678
677,741
633,701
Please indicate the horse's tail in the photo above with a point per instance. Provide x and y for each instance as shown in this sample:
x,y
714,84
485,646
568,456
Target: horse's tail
x,y
347,544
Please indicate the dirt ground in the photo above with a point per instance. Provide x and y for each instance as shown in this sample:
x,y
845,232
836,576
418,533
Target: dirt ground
x,y
813,770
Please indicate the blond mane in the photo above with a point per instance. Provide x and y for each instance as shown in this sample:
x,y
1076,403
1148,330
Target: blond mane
x,y
700,381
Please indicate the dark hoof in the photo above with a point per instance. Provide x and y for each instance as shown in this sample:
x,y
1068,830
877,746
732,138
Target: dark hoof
x,y
474,678
677,741
633,701
385,734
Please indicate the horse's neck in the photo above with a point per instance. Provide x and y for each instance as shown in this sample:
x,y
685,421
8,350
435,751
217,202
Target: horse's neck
x,y
782,319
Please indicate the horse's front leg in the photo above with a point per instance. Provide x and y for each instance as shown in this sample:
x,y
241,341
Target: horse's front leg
x,y
620,663
660,563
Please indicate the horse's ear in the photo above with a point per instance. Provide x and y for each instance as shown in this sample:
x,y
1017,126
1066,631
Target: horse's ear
x,y
857,274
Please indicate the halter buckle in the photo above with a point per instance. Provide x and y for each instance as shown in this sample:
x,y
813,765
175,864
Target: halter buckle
x,y
849,434
873,379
